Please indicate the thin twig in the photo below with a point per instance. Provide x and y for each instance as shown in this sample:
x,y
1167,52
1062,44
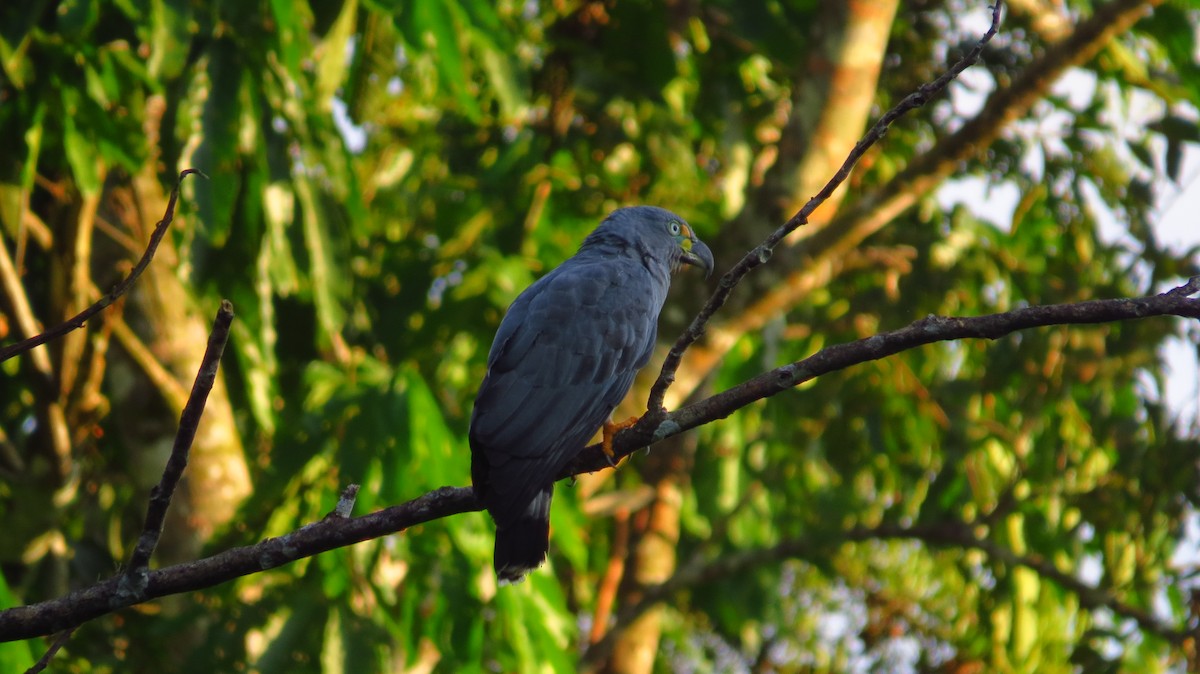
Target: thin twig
x,y
82,317
189,422
821,256
59,642
761,253
1186,290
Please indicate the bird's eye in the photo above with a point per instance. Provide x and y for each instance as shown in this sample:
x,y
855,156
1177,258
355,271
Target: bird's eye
x,y
673,226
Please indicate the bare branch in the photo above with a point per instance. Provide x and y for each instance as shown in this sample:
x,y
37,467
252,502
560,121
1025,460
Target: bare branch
x,y
189,421
820,258
335,532
78,607
761,253
927,330
1186,290
59,642
82,317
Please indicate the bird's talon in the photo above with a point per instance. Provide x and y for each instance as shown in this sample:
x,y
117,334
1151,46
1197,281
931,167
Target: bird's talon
x,y
610,430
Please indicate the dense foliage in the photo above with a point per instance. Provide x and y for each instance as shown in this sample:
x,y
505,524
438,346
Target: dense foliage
x,y
385,177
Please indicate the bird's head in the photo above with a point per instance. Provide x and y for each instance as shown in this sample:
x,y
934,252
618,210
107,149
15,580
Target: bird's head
x,y
659,232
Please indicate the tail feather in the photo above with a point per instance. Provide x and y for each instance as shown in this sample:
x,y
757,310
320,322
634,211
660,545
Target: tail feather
x,y
521,545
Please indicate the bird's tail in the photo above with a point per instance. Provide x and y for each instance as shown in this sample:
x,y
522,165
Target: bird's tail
x,y
521,545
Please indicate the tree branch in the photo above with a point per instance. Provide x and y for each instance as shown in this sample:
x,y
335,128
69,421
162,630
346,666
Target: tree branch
x,y
823,248
1004,106
59,642
932,328
133,581
82,605
78,607
189,421
82,317
761,253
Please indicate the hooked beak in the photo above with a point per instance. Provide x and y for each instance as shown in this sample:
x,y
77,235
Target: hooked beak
x,y
697,254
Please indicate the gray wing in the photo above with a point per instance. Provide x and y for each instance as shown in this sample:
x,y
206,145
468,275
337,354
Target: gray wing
x,y
565,355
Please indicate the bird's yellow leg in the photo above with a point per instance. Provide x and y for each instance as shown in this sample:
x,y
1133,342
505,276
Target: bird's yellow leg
x,y
606,437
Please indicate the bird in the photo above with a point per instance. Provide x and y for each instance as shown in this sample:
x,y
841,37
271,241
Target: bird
x,y
565,354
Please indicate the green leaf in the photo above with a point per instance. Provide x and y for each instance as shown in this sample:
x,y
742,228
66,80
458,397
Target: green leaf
x,y
168,27
292,21
16,32
331,66
333,648
327,281
568,535
16,656
431,25
80,150
217,154
76,18
432,447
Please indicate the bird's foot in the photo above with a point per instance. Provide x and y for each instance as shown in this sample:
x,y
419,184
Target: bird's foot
x,y
606,438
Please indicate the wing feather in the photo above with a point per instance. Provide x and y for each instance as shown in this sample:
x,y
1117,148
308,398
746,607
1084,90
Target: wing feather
x,y
564,356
